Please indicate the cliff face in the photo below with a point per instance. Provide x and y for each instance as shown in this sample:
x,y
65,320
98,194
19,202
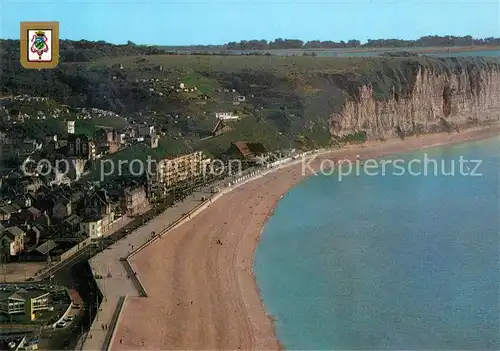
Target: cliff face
x,y
433,100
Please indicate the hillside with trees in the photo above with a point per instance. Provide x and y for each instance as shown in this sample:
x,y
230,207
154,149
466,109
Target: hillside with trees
x,y
282,44
286,99
83,50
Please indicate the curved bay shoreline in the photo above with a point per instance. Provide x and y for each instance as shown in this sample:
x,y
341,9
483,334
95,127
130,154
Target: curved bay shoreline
x,y
203,295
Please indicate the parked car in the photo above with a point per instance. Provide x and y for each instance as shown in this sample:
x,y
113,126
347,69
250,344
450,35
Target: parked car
x,y
69,318
61,325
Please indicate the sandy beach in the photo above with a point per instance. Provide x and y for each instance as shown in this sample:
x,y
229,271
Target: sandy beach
x,y
202,292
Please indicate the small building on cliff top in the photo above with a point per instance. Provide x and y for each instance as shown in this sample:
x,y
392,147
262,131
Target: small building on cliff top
x,y
243,149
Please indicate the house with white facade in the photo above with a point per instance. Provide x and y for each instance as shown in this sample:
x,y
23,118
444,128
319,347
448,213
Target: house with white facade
x,y
226,116
146,130
71,127
98,226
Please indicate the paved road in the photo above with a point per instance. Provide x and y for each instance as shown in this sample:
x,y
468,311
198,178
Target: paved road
x,y
83,252
77,257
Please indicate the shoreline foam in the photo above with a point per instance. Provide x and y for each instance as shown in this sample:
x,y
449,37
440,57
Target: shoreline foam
x,y
204,295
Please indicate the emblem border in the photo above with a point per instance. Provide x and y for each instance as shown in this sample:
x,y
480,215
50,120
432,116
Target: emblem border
x,y
24,40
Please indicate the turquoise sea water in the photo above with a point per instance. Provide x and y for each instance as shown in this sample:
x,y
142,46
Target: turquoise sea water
x,y
485,53
342,53
388,262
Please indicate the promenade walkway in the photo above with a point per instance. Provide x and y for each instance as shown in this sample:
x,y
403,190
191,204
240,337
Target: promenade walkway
x,y
50,269
115,281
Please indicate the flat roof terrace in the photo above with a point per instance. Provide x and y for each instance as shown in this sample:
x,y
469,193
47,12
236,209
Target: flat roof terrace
x,y
22,294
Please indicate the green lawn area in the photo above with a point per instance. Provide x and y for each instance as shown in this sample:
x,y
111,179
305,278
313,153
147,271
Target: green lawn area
x,y
205,85
249,129
271,64
39,129
166,147
90,126
112,121
83,127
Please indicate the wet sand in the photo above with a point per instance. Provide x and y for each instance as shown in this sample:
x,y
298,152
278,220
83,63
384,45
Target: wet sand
x,y
202,292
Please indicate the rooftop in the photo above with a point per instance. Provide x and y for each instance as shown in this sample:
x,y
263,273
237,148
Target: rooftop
x,y
11,232
249,149
34,211
22,294
73,219
46,247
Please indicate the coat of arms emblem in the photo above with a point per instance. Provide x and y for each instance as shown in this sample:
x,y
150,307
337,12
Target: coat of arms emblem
x,y
39,44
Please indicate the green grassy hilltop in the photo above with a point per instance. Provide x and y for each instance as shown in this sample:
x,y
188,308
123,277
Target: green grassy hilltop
x,y
287,100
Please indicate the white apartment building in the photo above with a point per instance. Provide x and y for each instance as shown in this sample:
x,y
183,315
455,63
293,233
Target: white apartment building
x,y
171,171
71,127
24,302
96,228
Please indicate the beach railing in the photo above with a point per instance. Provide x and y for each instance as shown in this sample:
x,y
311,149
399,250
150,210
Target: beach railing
x,y
125,260
114,322
198,208
135,279
170,227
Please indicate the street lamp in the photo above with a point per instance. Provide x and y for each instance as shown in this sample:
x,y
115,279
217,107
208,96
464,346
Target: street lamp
x,y
90,310
4,265
96,305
